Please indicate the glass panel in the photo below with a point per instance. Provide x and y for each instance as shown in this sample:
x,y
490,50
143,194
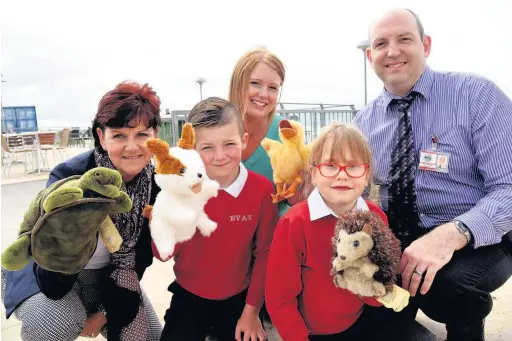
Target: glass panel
x,y
21,113
9,114
30,113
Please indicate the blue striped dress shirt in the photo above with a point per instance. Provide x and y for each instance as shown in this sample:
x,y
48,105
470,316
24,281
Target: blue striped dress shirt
x,y
472,119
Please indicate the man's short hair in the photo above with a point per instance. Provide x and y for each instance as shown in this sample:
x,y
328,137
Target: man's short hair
x,y
421,30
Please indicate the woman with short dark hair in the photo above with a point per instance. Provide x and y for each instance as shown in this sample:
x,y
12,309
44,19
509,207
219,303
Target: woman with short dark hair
x,y
106,295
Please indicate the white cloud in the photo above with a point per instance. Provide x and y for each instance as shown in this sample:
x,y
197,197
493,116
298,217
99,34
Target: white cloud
x,y
70,53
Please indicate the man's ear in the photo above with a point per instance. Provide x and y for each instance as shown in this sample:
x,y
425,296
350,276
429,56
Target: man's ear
x,y
101,136
427,45
369,55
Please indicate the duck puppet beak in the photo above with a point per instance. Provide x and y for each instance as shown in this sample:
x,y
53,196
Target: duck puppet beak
x,y
286,129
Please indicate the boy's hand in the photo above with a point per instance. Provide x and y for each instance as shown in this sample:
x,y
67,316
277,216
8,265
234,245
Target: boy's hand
x,y
250,325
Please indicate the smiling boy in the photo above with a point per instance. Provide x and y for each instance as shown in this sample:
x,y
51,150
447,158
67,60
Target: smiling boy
x,y
220,279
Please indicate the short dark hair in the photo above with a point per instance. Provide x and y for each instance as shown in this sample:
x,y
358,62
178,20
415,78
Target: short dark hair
x,y
215,111
421,30
127,103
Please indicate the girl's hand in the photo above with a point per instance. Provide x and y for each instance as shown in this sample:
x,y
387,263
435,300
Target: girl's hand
x,y
296,198
250,325
397,299
93,325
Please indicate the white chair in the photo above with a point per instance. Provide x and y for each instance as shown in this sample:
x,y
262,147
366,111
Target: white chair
x,y
11,152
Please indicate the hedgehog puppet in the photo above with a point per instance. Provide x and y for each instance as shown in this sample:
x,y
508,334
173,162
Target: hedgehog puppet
x,y
366,257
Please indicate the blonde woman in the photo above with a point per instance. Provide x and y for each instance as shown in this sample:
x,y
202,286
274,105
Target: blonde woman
x,y
255,86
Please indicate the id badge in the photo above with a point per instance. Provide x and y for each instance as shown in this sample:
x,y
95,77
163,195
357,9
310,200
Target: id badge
x,y
434,161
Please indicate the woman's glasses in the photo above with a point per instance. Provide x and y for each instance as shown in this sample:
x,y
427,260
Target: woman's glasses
x,y
331,170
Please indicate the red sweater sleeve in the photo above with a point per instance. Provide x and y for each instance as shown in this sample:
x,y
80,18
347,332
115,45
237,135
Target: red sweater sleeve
x,y
372,301
264,234
377,210
156,254
284,281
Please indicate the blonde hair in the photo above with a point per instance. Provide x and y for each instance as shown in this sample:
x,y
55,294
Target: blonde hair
x,y
340,138
242,72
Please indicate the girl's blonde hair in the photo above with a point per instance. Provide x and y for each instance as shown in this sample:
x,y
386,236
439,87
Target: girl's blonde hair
x,y
242,72
340,138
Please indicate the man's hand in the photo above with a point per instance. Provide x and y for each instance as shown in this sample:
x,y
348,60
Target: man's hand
x,y
250,325
93,325
427,255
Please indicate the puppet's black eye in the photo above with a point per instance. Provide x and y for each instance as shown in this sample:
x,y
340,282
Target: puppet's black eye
x,y
183,170
356,243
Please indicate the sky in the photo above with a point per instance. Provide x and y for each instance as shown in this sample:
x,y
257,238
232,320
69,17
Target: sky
x,y
62,56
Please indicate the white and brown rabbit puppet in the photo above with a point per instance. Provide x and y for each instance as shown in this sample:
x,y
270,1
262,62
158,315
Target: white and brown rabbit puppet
x,y
185,189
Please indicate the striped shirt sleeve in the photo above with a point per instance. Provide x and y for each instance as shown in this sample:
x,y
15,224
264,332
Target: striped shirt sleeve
x,y
491,113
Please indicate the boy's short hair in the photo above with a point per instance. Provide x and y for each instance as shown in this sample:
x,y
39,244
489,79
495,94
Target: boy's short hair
x,y
215,111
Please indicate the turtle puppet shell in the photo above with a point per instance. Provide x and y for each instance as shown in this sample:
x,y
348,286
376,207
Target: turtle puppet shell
x,y
64,239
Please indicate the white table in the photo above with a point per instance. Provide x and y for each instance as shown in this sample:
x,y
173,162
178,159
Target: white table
x,y
36,152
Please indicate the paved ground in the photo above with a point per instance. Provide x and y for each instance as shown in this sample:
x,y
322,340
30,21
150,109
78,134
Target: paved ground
x,y
16,197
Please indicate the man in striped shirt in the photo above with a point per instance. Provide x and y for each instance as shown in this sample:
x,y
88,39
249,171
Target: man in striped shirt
x,y
460,250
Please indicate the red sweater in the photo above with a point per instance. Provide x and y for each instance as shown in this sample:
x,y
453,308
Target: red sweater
x,y
234,257
300,296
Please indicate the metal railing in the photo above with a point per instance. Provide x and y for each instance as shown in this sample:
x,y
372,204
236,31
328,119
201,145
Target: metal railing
x,y
313,116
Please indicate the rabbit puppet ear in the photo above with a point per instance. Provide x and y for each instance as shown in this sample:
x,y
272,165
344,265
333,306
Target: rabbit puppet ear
x,y
165,162
187,139
159,148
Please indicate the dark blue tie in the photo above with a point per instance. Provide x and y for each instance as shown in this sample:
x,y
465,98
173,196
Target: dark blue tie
x,y
402,210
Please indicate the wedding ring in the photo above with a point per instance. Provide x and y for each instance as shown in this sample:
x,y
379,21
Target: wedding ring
x,y
418,273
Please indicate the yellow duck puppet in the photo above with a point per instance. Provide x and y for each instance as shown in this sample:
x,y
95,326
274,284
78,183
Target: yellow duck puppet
x,y
288,158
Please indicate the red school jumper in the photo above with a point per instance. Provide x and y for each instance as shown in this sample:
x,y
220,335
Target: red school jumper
x,y
300,295
234,257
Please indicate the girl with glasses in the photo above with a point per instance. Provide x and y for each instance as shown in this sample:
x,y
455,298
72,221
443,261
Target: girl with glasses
x,y
301,297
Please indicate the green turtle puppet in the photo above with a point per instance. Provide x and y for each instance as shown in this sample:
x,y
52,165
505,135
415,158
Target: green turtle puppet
x,y
60,228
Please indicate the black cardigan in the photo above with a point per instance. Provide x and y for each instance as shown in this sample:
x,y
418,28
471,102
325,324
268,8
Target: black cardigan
x,y
33,279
